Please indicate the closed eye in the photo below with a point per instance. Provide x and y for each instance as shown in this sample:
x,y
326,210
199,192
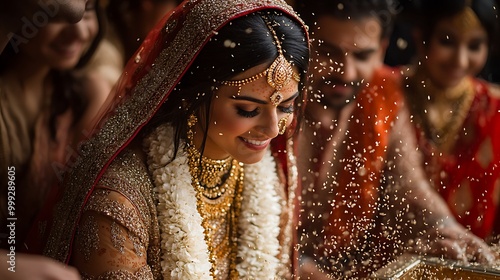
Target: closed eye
x,y
288,109
364,55
247,114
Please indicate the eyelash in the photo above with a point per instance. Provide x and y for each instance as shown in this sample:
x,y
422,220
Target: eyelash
x,y
253,113
287,110
248,114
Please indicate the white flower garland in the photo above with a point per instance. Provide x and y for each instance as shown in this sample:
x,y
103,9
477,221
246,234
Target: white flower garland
x,y
184,250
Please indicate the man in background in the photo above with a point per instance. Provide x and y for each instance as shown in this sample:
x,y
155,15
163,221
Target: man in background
x,y
365,199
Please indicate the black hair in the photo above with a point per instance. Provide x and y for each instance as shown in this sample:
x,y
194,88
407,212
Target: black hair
x,y
431,12
383,10
252,45
117,12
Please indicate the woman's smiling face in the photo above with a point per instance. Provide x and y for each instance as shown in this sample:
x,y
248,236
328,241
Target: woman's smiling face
x,y
455,51
60,45
243,124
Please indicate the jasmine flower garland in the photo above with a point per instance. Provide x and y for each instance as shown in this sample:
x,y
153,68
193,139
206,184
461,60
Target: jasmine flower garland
x,y
184,250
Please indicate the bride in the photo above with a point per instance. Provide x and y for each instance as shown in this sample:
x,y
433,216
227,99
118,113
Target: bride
x,y
191,172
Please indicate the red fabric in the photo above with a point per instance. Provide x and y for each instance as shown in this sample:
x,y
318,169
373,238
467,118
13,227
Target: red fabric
x,y
357,192
460,176
157,40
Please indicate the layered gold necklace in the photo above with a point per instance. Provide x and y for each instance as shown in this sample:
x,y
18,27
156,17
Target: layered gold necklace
x,y
219,186
423,97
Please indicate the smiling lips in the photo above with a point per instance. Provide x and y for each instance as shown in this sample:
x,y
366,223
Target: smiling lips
x,y
256,144
69,49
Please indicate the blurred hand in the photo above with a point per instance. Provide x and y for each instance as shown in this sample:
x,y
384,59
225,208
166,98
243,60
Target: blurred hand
x,y
453,241
309,270
35,267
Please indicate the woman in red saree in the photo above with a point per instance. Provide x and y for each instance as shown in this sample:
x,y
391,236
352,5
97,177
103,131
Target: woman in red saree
x,y
191,173
457,116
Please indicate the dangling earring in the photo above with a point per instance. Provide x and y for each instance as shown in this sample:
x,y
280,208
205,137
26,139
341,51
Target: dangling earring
x,y
192,120
282,125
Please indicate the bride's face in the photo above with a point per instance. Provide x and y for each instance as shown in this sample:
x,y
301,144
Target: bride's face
x,y
243,125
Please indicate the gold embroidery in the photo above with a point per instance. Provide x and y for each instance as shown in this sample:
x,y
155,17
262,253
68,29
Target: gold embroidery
x,y
127,179
138,248
127,185
144,273
117,211
201,22
117,237
88,237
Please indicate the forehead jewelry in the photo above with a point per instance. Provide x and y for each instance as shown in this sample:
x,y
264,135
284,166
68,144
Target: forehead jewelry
x,y
277,75
282,125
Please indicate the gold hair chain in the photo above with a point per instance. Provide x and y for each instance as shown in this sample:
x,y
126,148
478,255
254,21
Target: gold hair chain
x,y
278,74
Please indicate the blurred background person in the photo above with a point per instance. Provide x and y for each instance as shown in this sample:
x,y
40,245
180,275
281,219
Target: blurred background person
x,y
456,116
12,14
45,106
127,24
20,16
365,196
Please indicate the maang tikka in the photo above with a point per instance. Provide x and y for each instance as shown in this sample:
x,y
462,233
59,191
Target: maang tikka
x,y
278,74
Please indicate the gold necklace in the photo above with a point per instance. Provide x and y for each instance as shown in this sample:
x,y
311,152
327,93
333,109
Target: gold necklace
x,y
219,209
421,92
213,173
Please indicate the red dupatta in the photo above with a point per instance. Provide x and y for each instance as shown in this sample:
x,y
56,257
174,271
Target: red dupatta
x,y
468,177
148,79
362,162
